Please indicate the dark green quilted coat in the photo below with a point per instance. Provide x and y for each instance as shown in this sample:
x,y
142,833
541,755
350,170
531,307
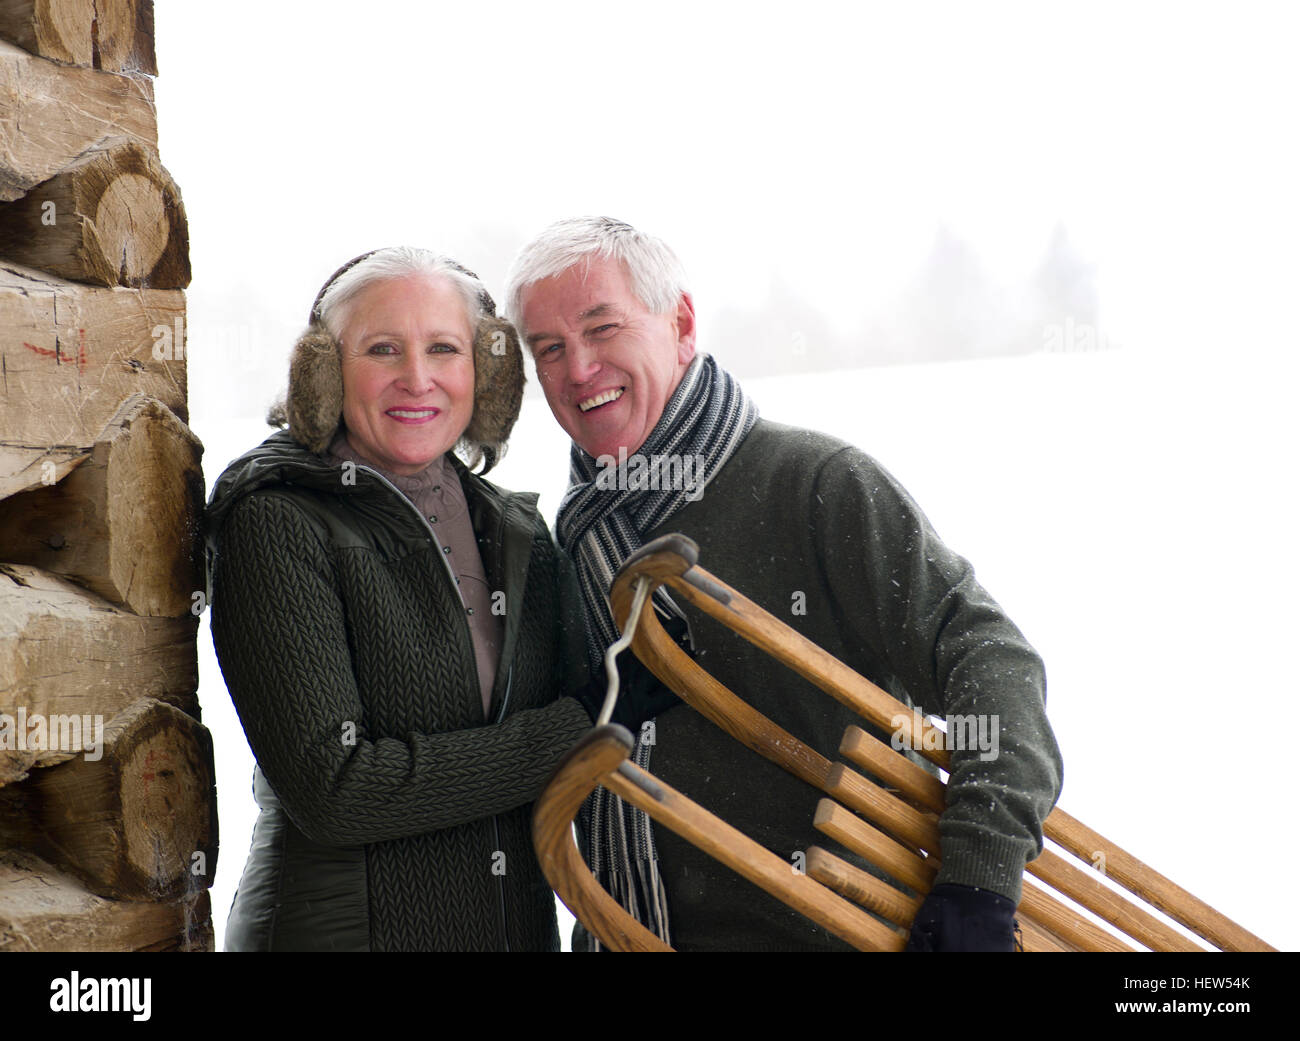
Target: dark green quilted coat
x,y
394,816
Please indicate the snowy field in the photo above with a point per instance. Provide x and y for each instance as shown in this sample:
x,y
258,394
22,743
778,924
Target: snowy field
x,y
1132,515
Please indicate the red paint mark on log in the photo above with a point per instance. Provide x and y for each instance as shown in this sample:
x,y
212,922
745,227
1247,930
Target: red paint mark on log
x,y
153,768
44,352
81,351
148,775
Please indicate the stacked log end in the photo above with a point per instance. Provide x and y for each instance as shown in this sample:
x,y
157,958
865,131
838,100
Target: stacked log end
x,y
111,217
115,37
108,826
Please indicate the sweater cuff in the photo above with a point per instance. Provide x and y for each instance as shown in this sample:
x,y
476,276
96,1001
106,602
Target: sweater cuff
x,y
992,862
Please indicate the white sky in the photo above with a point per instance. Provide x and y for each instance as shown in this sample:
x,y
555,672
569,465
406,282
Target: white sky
x,y
816,155
822,149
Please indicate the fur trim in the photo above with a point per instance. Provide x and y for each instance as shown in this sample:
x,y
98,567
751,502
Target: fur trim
x,y
498,387
313,407
315,402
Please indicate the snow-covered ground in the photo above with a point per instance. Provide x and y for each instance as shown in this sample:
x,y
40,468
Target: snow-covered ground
x,y
1132,514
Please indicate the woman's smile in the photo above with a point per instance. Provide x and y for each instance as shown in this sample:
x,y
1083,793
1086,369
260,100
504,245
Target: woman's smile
x,y
413,415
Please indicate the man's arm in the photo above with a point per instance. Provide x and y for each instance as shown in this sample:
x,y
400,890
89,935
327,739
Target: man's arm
x,y
919,608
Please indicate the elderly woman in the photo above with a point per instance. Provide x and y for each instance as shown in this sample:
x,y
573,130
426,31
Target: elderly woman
x,y
390,628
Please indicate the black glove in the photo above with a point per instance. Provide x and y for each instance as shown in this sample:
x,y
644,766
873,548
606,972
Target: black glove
x,y
640,694
962,918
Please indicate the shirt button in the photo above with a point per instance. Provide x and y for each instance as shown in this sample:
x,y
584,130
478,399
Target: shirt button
x,y
469,610
433,519
446,549
437,487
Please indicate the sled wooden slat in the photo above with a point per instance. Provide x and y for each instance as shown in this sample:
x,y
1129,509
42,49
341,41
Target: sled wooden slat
x,y
896,770
1076,883
601,757
747,858
700,589
1058,919
893,824
1037,940
574,779
860,887
1151,885
853,833
1084,888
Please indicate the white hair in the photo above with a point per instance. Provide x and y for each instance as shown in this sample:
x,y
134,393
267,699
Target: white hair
x,y
397,262
656,275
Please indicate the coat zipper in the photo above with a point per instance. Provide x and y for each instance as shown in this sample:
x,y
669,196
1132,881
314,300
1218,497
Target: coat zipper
x,y
496,826
429,528
501,890
505,698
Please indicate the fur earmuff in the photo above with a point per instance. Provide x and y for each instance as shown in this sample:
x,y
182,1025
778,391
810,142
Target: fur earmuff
x,y
314,405
498,384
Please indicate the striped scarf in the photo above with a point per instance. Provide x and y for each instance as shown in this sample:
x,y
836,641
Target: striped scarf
x,y
603,519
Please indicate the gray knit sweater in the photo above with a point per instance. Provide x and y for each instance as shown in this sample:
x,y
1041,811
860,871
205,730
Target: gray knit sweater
x,y
797,520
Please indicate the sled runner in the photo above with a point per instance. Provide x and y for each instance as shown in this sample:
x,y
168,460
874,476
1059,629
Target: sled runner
x,y
898,833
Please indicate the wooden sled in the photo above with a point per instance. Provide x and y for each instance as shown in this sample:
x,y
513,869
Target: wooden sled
x,y
886,830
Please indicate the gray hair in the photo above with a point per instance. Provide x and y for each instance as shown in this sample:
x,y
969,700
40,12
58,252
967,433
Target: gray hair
x,y
397,262
656,274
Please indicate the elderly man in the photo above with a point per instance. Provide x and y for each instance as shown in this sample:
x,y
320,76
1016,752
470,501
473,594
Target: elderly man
x,y
817,533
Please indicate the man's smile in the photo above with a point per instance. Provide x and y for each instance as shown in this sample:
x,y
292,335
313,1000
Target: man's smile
x,y
603,398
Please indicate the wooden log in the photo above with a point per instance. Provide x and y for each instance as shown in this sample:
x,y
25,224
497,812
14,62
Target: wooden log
x,y
22,468
124,36
113,35
124,524
135,819
62,31
112,217
50,114
71,354
65,652
42,909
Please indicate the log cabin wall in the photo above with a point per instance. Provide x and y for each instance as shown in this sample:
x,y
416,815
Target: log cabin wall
x,y
108,825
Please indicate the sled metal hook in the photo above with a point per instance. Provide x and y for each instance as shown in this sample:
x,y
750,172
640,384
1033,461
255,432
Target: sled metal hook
x,y
640,593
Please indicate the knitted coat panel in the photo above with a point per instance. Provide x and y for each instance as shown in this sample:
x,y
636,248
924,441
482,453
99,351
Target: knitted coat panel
x,y
353,674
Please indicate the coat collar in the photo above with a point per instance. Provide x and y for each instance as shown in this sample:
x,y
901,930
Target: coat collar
x,y
280,460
